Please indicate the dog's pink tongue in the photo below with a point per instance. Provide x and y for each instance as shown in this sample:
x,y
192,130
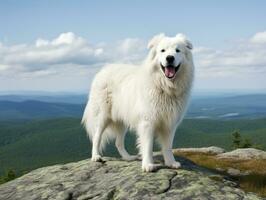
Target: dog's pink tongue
x,y
169,72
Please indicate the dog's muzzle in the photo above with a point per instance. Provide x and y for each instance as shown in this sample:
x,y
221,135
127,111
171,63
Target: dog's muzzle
x,y
170,70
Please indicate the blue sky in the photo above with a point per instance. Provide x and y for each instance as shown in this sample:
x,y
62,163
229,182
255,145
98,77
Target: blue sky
x,y
215,28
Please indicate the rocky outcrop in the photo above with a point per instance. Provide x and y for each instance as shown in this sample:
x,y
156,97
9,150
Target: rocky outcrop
x,y
244,154
209,150
117,179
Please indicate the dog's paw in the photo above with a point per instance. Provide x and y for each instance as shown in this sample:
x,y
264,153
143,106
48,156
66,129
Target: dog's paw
x,y
174,165
96,158
149,167
130,158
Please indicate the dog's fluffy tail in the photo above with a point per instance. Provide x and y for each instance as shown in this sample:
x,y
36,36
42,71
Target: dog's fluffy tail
x,y
89,122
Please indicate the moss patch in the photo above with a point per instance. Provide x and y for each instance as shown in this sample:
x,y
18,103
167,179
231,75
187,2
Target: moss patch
x,y
254,181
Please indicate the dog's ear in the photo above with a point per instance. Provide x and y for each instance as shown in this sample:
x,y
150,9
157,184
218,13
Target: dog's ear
x,y
155,40
185,40
153,44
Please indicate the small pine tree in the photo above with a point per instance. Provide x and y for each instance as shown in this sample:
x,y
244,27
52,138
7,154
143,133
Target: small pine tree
x,y
10,175
236,139
246,144
238,142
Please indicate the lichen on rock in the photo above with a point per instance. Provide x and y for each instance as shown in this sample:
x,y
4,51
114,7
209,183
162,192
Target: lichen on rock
x,y
244,154
117,179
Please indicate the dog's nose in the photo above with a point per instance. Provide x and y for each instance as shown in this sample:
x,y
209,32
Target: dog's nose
x,y
170,59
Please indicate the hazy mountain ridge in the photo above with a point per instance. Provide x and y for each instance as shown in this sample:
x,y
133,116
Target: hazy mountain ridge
x,y
72,99
214,107
32,109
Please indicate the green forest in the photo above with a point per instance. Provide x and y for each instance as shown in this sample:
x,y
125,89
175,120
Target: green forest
x,y
27,145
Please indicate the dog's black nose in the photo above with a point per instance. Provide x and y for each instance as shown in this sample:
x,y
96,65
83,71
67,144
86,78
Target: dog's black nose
x,y
170,59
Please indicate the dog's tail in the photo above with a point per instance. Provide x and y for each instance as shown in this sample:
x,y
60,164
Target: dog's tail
x,y
88,121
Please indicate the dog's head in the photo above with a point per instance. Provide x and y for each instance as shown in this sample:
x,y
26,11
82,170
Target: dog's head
x,y
169,54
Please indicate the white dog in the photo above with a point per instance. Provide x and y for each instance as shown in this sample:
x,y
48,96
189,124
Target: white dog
x,y
150,98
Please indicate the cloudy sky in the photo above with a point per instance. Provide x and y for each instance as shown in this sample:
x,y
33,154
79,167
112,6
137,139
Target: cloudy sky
x,y
60,45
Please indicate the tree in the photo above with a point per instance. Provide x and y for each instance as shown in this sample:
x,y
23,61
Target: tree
x,y
239,142
236,139
246,144
10,175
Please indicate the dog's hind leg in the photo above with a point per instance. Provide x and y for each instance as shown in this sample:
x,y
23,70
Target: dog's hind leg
x,y
120,144
96,140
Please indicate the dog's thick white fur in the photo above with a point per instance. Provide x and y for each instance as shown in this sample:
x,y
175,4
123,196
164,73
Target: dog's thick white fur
x,y
150,98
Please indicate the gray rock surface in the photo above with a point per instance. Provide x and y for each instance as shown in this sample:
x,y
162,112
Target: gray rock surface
x,y
117,179
244,154
234,172
211,150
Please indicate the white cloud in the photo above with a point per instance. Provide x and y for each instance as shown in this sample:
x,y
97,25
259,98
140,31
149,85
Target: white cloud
x,y
3,67
237,59
41,42
259,38
66,49
68,38
72,59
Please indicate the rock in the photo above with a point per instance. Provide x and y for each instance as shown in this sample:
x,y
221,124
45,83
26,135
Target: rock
x,y
244,154
233,172
220,169
117,179
237,172
209,150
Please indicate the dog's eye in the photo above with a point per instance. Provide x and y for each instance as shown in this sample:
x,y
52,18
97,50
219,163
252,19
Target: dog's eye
x,y
177,50
163,50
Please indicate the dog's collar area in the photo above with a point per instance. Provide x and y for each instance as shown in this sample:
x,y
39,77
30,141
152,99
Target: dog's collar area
x,y
170,70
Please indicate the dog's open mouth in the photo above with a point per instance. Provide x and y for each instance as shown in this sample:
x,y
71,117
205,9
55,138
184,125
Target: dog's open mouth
x,y
170,70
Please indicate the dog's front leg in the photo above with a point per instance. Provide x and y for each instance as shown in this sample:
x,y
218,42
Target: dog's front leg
x,y
146,135
167,143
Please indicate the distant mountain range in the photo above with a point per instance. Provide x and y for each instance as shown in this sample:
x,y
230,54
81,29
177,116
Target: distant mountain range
x,y
242,106
32,109
72,99
213,107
